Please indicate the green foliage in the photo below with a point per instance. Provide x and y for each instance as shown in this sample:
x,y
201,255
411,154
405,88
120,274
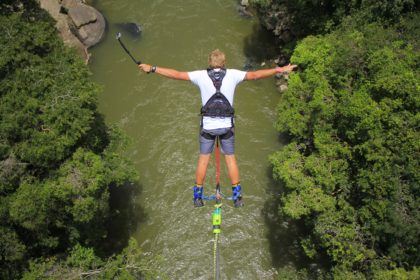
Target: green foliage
x,y
290,273
58,159
292,20
11,247
83,258
351,168
82,263
48,102
398,273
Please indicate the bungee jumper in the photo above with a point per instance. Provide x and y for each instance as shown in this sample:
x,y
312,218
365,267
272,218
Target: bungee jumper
x,y
217,87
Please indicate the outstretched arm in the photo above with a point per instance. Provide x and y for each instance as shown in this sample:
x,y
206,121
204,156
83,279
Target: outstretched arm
x,y
265,73
166,72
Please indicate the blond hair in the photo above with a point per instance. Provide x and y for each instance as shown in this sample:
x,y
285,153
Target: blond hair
x,y
216,59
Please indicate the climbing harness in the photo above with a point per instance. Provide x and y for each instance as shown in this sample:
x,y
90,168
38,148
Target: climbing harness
x,y
218,105
225,136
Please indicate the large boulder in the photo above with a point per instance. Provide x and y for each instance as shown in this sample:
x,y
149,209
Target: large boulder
x,y
87,24
54,8
81,26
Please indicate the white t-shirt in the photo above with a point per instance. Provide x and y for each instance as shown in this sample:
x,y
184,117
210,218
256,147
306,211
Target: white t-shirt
x,y
201,79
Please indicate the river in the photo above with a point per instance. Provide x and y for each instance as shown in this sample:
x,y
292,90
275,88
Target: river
x,y
161,117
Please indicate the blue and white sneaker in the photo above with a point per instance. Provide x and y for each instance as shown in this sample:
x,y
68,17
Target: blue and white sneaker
x,y
198,196
236,196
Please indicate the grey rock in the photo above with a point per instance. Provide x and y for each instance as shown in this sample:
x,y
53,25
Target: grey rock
x,y
243,11
87,24
82,15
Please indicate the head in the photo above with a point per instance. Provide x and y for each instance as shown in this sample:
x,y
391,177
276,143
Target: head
x,y
216,59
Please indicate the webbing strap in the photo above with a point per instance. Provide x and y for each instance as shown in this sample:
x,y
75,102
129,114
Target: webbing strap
x,y
217,77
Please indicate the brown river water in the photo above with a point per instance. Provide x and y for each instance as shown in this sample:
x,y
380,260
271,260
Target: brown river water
x,y
161,117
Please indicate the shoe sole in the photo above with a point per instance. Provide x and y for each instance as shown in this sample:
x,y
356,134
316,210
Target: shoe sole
x,y
198,203
238,203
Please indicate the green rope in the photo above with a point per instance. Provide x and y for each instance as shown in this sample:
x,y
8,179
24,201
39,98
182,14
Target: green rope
x,y
217,220
216,257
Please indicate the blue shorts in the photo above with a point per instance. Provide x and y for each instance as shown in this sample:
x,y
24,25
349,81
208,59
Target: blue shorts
x,y
226,136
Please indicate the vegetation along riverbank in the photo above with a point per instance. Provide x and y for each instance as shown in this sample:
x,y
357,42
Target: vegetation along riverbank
x,y
348,176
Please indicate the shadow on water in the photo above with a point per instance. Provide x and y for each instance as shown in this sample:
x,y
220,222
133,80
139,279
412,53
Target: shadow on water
x,y
283,233
125,216
259,47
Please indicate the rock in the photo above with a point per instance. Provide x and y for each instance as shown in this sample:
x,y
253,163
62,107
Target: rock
x,y
282,81
282,77
132,28
53,8
87,24
82,15
243,11
80,26
282,88
67,4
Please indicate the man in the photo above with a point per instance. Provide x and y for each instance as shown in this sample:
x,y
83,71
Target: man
x,y
217,86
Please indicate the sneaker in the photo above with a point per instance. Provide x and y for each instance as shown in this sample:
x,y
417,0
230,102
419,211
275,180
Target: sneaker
x,y
236,196
198,197
198,202
237,203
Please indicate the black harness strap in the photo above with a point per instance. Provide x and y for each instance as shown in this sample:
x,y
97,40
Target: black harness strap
x,y
225,136
218,105
217,77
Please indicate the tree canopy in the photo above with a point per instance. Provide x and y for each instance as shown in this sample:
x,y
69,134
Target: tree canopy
x,y
291,20
59,161
350,170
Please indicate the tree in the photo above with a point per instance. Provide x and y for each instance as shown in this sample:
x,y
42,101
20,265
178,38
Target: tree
x,y
83,263
58,159
350,169
292,20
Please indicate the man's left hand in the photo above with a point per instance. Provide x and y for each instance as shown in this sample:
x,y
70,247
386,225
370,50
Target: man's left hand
x,y
288,68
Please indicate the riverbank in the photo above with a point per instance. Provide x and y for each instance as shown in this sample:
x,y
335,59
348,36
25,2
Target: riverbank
x,y
80,25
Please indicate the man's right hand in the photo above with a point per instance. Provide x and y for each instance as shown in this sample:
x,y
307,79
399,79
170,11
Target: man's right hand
x,y
145,67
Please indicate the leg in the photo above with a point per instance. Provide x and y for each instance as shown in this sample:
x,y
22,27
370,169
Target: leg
x,y
228,146
200,175
203,162
206,147
234,179
232,167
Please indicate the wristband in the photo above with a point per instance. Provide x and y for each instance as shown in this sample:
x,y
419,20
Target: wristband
x,y
153,70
